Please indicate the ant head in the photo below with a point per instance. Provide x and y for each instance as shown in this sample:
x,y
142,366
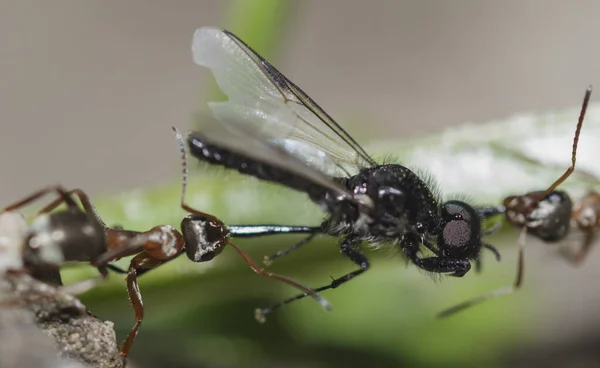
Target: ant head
x,y
548,217
205,237
518,208
460,235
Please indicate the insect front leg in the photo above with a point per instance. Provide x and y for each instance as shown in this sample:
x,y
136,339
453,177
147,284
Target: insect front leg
x,y
252,231
410,245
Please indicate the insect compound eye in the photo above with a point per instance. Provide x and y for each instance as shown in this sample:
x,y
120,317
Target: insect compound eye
x,y
204,237
461,227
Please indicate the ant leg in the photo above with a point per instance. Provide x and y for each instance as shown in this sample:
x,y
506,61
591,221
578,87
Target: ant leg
x,y
256,268
501,291
85,200
132,246
579,256
35,196
139,263
349,248
116,269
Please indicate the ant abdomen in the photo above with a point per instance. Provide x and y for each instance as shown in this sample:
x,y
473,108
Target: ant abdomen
x,y
460,234
54,238
204,237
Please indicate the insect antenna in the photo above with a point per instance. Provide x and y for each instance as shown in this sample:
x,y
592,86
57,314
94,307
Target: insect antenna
x,y
527,211
253,264
571,168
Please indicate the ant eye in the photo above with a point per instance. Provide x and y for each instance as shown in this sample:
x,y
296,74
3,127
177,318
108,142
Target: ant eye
x,y
460,230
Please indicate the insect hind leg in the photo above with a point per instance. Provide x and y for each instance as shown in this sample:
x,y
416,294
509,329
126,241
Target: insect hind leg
x,y
349,248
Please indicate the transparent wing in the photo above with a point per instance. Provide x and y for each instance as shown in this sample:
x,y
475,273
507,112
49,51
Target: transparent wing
x,y
257,150
262,99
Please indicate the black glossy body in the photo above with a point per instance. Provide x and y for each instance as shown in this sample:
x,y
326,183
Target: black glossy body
x,y
402,203
213,154
404,210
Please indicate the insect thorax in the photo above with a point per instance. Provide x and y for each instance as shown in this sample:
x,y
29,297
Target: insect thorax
x,y
402,202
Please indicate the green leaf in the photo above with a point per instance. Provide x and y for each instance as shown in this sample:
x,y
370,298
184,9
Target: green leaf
x,y
203,312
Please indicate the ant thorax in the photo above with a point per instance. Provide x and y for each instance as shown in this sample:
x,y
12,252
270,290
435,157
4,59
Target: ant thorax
x,y
401,201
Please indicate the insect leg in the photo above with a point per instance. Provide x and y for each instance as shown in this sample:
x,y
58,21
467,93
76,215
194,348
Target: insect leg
x,y
35,196
349,248
410,245
250,231
269,259
254,266
85,200
457,267
141,262
579,256
501,291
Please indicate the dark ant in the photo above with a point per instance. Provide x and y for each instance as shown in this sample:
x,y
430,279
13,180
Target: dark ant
x,y
546,215
276,132
76,235
64,236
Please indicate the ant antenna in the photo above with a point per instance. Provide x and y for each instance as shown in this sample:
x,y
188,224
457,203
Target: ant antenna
x,y
258,314
571,168
184,163
521,242
253,265
184,177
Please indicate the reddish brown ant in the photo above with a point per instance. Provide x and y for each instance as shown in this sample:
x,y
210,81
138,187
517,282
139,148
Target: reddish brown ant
x,y
546,215
76,235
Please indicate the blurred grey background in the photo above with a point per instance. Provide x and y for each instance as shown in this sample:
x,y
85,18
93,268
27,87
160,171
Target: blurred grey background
x,y
89,89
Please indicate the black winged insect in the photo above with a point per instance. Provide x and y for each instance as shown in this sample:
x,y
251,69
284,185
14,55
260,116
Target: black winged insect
x,y
547,215
270,129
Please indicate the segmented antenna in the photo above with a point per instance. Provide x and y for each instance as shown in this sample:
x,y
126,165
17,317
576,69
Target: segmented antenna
x,y
184,163
570,170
